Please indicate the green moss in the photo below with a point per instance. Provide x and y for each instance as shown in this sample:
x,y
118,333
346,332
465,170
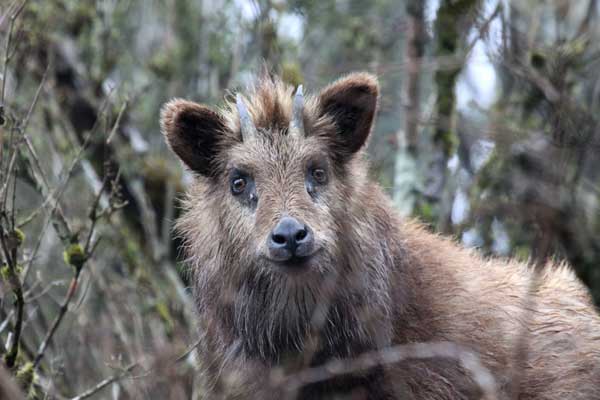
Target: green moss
x,y
15,239
19,235
163,311
447,44
291,73
425,211
5,272
25,376
8,273
74,255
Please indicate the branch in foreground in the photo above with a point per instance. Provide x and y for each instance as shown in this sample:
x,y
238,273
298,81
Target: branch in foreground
x,y
469,361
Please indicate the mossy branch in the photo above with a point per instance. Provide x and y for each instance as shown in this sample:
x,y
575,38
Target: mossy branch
x,y
11,241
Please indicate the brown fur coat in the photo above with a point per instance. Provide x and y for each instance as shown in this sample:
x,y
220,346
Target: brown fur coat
x,y
376,281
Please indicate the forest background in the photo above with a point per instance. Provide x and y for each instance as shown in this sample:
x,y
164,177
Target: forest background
x,y
487,130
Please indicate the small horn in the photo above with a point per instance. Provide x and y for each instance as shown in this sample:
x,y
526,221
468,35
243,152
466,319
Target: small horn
x,y
247,127
297,122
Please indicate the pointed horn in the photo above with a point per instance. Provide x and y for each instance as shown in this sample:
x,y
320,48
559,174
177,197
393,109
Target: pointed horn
x,y
297,122
247,127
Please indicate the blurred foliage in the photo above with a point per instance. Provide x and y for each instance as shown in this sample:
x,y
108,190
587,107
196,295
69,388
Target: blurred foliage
x,y
514,175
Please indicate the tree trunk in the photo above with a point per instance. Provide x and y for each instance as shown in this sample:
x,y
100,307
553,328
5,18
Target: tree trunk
x,y
406,175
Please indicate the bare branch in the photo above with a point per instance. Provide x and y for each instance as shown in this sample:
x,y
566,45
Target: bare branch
x,y
117,122
469,360
61,313
104,383
13,18
10,245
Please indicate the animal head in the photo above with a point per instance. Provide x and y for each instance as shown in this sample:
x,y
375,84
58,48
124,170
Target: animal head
x,y
275,228
275,169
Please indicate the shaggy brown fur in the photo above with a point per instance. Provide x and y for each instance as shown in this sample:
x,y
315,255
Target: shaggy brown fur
x,y
377,281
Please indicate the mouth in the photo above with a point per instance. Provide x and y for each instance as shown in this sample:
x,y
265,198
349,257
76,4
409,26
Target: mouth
x,y
295,264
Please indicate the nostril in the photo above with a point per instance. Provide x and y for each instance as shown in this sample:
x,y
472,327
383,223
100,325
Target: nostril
x,y
278,239
301,235
290,240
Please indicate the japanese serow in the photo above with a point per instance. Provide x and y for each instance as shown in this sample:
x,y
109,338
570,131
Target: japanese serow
x,y
308,284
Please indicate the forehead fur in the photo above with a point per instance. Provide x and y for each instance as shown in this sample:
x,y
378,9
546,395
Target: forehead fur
x,y
269,101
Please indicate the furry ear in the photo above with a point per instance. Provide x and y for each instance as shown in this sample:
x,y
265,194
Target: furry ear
x,y
193,132
351,102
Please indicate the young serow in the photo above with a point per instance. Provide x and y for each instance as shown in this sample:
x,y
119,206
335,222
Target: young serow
x,y
299,260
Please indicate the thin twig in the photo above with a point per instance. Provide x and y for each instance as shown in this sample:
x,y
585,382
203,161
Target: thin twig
x,y
11,165
56,195
117,122
13,18
177,360
61,313
102,384
191,348
4,323
94,216
35,100
87,251
6,59
7,12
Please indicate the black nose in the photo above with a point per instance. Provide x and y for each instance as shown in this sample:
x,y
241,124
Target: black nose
x,y
290,239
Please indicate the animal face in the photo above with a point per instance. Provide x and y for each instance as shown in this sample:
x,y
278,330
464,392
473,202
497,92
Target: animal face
x,y
276,168
270,221
281,190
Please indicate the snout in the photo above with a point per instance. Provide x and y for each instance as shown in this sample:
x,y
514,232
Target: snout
x,y
290,241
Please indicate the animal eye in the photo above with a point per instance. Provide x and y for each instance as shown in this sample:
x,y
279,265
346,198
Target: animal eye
x,y
238,185
319,175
